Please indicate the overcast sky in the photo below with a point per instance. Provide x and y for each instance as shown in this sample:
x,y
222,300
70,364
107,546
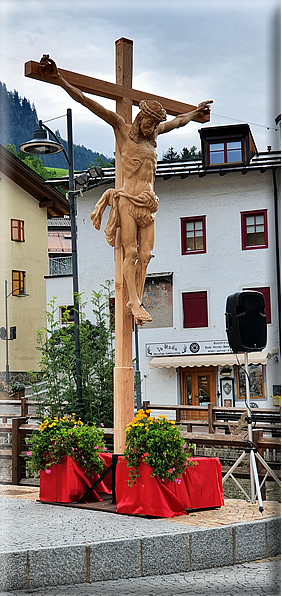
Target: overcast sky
x,y
190,50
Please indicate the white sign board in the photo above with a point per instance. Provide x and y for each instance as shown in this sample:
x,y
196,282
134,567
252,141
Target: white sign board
x,y
188,348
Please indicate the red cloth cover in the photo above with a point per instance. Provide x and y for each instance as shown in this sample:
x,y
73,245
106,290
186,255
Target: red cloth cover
x,y
67,483
200,488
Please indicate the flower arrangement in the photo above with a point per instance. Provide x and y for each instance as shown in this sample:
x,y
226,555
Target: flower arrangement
x,y
59,437
157,442
6,388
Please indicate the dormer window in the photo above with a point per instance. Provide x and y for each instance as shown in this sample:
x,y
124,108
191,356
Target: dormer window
x,y
227,145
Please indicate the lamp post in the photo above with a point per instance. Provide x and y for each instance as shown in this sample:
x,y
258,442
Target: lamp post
x,y
42,145
7,339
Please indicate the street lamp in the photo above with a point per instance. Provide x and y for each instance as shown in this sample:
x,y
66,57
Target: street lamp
x,y
21,293
42,145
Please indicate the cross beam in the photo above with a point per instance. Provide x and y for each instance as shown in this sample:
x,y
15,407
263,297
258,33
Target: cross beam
x,y
113,90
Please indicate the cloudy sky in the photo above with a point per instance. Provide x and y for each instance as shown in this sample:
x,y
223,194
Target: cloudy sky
x,y
190,50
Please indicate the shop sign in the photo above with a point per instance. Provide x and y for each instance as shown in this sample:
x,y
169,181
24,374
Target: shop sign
x,y
188,348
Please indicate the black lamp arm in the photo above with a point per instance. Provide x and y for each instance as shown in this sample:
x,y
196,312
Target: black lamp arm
x,y
42,125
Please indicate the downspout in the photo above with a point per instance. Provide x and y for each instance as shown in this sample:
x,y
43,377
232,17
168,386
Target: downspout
x,y
277,251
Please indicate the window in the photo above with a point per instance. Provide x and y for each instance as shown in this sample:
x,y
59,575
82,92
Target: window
x,y
254,229
18,278
225,152
193,235
195,309
67,314
17,230
256,381
267,302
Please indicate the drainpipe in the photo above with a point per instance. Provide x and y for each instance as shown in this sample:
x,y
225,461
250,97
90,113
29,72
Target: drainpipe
x,y
277,251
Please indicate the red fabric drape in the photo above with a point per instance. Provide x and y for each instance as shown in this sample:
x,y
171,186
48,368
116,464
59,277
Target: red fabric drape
x,y
200,488
67,483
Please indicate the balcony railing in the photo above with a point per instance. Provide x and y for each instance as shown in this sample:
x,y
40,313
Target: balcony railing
x,y
60,266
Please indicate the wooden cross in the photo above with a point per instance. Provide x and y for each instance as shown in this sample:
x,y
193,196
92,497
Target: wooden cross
x,y
125,97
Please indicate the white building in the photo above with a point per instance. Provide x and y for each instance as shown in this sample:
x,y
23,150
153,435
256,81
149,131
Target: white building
x,y
216,234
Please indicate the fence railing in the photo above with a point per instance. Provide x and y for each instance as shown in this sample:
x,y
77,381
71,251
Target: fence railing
x,y
60,265
214,418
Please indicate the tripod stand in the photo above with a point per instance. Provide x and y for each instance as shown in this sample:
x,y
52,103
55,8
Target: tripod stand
x,y
252,453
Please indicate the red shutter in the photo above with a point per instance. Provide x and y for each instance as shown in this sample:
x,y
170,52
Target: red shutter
x,y
267,302
195,309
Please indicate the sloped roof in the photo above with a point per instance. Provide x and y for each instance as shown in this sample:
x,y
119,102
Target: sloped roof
x,y
31,182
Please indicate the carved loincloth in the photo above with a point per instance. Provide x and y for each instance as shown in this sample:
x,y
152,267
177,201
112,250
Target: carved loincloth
x,y
143,214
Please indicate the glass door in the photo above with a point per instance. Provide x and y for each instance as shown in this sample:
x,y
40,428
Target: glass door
x,y
198,388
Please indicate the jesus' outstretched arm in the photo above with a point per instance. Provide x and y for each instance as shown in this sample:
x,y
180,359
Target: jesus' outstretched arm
x,y
202,110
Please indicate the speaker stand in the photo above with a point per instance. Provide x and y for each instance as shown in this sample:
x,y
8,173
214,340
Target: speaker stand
x,y
252,453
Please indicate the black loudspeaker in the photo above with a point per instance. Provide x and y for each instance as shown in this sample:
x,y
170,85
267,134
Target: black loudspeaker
x,y
246,321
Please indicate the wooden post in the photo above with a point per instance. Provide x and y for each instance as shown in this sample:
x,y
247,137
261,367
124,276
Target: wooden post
x,y
211,417
17,447
123,372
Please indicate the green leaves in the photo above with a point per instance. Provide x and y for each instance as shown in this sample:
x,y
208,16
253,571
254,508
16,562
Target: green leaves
x,y
56,345
59,437
157,442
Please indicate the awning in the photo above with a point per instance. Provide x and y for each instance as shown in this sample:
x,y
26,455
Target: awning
x,y
207,360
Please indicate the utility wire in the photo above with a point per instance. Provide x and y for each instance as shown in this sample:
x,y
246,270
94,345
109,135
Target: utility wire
x,y
252,123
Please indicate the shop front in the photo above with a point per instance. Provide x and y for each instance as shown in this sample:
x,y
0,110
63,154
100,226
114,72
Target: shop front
x,y
208,376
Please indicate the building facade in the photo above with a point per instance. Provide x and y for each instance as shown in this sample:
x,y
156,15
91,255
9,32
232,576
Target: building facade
x,y
216,234
26,202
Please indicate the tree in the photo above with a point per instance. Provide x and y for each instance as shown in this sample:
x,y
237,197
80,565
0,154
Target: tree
x,y
56,344
170,155
190,154
33,162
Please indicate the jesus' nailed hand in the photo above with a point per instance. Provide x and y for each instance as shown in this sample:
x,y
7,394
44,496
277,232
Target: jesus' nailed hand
x,y
134,205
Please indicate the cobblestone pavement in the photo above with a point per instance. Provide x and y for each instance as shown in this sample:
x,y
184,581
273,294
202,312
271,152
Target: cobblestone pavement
x,y
259,578
234,510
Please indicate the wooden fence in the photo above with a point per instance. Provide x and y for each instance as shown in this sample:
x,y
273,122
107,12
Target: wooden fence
x,y
268,420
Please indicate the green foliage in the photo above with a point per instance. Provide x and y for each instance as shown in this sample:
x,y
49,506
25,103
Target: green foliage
x,y
171,155
60,437
33,162
56,344
157,442
190,154
186,154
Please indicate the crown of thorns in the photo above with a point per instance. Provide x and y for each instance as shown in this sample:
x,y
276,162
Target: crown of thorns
x,y
153,108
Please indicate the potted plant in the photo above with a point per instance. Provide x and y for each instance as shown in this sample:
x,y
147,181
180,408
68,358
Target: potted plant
x,y
18,389
66,453
157,442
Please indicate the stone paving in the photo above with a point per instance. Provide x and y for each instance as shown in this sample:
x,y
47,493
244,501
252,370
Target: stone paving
x,y
259,578
51,545
234,510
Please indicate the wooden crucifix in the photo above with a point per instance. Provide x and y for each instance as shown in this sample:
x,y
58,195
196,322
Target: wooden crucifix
x,y
131,225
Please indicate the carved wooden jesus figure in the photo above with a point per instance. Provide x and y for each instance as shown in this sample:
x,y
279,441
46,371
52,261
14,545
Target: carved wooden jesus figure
x,y
134,205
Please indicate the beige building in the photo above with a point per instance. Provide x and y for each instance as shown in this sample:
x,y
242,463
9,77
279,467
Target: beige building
x,y
25,202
